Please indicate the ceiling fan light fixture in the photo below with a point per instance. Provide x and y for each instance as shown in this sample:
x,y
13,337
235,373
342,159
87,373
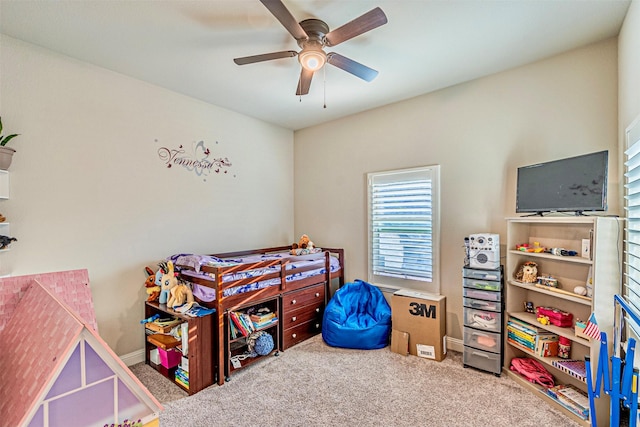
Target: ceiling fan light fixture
x,y
312,58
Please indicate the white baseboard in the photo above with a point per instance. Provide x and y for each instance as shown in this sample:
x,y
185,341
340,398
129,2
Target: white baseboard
x,y
455,344
133,357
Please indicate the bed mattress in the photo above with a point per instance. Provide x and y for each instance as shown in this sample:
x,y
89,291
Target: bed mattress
x,y
194,264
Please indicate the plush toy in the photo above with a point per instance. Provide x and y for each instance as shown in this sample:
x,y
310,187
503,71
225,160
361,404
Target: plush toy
x,y
164,290
179,292
153,289
303,247
528,272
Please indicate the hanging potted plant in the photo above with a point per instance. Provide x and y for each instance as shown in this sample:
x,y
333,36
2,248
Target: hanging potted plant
x,y
6,153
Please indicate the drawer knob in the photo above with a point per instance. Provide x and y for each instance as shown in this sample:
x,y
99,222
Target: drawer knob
x,y
294,318
294,335
318,310
317,294
293,301
317,325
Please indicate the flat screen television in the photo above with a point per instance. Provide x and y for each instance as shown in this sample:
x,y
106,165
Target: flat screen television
x,y
574,184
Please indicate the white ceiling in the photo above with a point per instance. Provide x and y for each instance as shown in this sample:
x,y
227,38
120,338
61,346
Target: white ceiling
x,y
189,46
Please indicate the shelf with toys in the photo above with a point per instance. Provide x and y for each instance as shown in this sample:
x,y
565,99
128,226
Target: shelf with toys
x,y
559,270
178,345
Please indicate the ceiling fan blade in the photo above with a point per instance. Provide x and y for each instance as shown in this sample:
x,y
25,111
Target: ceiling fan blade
x,y
367,22
278,9
305,82
351,66
265,57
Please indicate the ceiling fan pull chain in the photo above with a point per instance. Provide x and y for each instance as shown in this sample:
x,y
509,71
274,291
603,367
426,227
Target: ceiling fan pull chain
x,y
324,85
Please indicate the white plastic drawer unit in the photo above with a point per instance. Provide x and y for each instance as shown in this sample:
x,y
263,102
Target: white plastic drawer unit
x,y
480,294
482,304
485,285
474,273
482,340
490,362
483,319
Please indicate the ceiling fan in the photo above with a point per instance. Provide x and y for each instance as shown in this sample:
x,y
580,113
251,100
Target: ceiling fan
x,y
313,36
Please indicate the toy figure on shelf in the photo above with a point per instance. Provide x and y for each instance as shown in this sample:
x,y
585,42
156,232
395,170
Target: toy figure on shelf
x,y
179,292
528,307
528,272
153,289
6,241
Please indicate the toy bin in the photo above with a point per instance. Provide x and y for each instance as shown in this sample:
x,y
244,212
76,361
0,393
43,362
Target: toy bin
x,y
169,358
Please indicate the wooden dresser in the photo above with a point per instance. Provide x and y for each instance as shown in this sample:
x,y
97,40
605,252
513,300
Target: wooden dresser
x,y
301,315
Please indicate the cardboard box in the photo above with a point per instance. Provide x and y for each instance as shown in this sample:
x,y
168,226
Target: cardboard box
x,y
423,317
579,329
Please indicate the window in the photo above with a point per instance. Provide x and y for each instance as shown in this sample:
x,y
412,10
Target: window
x,y
630,327
404,228
631,282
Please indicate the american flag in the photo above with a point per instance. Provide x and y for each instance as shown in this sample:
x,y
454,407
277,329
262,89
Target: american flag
x,y
592,330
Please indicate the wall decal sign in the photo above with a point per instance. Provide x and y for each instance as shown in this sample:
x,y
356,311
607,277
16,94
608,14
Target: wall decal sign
x,y
197,159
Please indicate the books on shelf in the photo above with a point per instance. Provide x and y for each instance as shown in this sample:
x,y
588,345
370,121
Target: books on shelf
x,y
571,398
243,324
182,377
261,320
575,368
531,338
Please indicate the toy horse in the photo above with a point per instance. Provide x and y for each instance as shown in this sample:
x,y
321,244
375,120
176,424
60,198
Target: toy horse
x,y
179,293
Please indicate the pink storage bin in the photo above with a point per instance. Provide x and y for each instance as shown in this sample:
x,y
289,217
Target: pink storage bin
x,y
169,358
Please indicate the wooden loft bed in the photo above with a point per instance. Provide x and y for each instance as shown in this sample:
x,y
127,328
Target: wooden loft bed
x,y
244,278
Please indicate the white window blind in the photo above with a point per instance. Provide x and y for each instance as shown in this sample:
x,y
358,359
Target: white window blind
x,y
632,229
403,226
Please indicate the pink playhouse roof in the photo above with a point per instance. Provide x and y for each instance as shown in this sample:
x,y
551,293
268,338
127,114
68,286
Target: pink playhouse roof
x,y
71,286
37,341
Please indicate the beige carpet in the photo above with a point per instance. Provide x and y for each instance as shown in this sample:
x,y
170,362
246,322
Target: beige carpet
x,y
313,384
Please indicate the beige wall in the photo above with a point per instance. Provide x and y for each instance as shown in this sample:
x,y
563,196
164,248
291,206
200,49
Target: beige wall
x,y
479,132
629,70
88,189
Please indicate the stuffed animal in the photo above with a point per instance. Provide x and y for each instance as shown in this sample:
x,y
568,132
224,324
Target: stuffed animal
x,y
179,292
303,247
528,272
153,290
164,290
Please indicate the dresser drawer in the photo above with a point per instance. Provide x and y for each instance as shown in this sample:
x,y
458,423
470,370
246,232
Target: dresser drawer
x,y
480,294
313,295
483,340
482,304
490,362
482,274
303,314
485,285
299,333
482,319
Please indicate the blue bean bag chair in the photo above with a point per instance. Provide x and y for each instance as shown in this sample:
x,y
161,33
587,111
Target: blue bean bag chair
x,y
357,316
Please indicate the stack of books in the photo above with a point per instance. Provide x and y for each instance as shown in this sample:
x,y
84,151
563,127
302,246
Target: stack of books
x,y
262,319
571,398
182,377
532,339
